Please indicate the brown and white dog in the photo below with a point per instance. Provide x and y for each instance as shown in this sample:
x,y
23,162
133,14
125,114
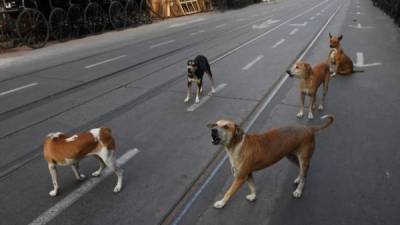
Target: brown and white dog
x,y
339,62
311,79
251,152
60,149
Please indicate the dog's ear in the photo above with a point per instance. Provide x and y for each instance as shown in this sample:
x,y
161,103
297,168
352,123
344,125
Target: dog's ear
x,y
238,131
330,35
211,125
340,37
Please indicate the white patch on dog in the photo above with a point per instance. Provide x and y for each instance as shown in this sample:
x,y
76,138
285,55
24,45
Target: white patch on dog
x,y
219,204
310,116
54,135
72,138
96,133
297,193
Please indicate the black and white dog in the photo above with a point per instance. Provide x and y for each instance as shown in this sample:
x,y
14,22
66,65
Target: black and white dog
x,y
196,69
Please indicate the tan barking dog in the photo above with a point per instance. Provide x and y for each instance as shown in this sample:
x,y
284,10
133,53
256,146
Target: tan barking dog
x,y
310,80
251,152
60,149
338,60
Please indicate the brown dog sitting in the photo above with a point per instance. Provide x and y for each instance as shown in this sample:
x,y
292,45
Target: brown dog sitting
x,y
339,62
310,80
251,152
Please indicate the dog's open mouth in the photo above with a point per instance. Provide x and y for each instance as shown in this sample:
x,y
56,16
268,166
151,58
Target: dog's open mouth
x,y
216,140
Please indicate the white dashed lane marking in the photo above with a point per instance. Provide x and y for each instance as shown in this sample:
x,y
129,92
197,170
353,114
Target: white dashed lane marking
x,y
162,43
17,89
294,31
278,43
105,61
254,61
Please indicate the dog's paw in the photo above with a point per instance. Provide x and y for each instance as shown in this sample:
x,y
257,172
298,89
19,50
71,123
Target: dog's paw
x,y
53,193
81,177
117,189
320,107
251,197
96,173
297,194
310,116
197,99
300,114
186,99
296,181
333,74
213,90
219,204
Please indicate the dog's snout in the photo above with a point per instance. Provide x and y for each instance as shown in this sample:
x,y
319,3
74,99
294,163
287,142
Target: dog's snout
x,y
214,132
330,46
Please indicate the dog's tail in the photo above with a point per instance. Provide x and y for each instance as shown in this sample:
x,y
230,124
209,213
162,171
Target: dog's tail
x,y
325,125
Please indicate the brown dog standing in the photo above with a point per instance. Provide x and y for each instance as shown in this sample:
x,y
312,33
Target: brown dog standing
x,y
338,60
251,152
310,80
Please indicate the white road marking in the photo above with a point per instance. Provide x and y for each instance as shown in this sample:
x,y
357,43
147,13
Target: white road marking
x,y
294,31
359,26
204,99
266,32
278,43
265,24
18,89
358,13
162,43
221,25
196,195
105,61
360,61
299,24
75,195
254,61
186,23
198,32
312,18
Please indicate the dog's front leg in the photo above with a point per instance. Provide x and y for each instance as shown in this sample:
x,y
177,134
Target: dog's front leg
x,y
188,94
300,114
53,174
250,181
75,169
238,181
198,91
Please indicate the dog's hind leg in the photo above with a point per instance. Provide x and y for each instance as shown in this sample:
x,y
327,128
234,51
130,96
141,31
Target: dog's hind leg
x,y
53,174
75,169
209,74
326,85
311,107
109,159
304,156
250,181
98,172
